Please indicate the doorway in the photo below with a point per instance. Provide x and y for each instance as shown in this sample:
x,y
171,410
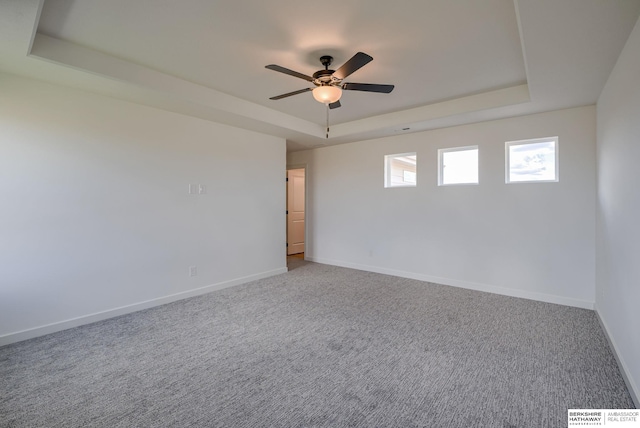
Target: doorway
x,y
295,211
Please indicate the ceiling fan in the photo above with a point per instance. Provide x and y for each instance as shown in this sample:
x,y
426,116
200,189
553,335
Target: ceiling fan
x,y
329,83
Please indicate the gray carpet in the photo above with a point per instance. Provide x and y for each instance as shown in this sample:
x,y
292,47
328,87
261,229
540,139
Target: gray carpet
x,y
320,346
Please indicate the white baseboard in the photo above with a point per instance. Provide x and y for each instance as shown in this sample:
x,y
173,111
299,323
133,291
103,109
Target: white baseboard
x,y
634,391
542,297
122,310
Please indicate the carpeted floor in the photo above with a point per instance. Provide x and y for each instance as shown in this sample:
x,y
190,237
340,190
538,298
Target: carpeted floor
x,y
319,346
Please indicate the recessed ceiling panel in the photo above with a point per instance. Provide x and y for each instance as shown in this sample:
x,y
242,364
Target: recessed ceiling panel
x,y
430,50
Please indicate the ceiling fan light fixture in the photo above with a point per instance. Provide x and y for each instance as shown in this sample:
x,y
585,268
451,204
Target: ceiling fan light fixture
x,y
330,83
327,94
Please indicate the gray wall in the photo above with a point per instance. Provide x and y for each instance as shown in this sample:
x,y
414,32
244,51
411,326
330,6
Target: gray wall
x,y
96,218
618,209
531,240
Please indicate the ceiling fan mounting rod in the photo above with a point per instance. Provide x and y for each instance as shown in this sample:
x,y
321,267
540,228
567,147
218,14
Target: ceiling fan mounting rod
x,y
326,60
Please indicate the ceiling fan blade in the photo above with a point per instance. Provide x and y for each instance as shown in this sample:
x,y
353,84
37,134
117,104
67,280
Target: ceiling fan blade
x,y
356,62
368,87
289,72
335,105
279,97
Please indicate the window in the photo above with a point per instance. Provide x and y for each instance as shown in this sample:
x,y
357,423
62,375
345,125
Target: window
x,y
532,160
458,166
400,170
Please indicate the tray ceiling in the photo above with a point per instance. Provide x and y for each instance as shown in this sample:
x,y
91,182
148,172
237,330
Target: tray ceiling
x,y
452,62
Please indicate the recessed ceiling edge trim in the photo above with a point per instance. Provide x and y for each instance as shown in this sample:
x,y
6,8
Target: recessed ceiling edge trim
x,y
96,63
487,100
84,59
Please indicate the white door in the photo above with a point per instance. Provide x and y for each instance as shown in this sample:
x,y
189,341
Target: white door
x,y
295,211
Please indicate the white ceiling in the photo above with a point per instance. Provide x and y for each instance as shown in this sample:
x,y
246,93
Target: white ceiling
x,y
452,61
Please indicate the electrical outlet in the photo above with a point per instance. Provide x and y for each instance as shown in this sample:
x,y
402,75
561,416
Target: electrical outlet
x,y
193,270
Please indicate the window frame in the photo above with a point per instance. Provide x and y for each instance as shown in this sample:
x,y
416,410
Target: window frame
x,y
387,170
507,159
441,153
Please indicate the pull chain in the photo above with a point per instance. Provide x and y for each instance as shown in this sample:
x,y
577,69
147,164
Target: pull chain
x,y
327,121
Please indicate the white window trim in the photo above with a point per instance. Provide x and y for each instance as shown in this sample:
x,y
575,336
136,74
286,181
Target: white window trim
x,y
456,149
531,141
387,172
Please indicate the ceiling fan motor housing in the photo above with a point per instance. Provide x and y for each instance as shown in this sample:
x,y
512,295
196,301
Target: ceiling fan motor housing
x,y
323,77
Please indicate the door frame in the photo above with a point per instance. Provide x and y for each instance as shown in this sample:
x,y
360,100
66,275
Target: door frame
x,y
306,206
